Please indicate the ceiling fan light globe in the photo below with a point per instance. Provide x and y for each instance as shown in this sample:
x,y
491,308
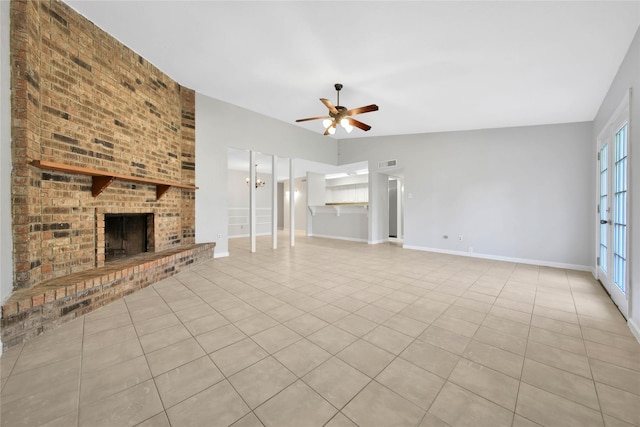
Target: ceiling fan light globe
x,y
348,128
344,123
332,130
326,123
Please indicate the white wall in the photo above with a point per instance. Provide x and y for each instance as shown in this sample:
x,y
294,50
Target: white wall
x,y
316,189
301,203
378,207
350,224
6,236
628,77
239,204
516,193
220,126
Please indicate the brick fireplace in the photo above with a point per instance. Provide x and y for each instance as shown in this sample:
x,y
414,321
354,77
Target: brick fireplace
x,y
97,131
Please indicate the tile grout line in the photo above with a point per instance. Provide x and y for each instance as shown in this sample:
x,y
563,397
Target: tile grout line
x,y
593,380
80,374
144,354
208,355
524,356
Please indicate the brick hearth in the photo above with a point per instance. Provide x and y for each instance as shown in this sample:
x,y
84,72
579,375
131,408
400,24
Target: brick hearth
x,y
30,312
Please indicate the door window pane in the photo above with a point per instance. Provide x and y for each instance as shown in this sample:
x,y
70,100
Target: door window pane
x,y
604,190
620,210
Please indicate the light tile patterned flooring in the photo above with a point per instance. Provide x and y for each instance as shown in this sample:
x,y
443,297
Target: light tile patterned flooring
x,y
334,333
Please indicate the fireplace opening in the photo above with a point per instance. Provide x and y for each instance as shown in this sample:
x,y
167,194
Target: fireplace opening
x,y
126,235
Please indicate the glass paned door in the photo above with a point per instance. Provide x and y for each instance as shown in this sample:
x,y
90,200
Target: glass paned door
x,y
613,227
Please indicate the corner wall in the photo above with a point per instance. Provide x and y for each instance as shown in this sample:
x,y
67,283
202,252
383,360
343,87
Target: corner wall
x,y
301,202
521,194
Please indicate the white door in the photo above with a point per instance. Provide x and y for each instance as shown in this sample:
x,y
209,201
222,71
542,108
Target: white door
x,y
613,227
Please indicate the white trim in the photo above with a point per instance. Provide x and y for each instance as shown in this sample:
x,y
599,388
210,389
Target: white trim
x,y
635,329
350,239
274,202
292,203
252,200
376,242
236,236
220,254
503,258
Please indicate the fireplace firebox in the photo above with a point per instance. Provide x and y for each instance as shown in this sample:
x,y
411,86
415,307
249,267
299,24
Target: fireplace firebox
x,y
126,235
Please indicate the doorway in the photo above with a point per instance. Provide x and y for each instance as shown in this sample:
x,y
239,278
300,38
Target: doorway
x,y
612,219
395,209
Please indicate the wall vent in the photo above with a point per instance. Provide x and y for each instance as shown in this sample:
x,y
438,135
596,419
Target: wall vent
x,y
387,164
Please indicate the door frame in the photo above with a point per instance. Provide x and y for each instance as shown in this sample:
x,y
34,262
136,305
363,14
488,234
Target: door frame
x,y
607,135
399,208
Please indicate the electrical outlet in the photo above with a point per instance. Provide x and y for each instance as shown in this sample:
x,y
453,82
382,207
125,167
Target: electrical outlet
x,y
219,236
460,237
470,249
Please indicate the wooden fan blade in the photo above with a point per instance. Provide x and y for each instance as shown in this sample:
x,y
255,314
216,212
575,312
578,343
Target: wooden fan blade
x,y
361,110
313,118
326,131
329,105
363,126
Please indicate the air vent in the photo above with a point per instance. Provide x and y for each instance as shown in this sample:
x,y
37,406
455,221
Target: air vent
x,y
387,164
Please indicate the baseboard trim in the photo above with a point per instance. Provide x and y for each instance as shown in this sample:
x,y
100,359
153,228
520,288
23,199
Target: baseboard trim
x,y
220,254
349,239
635,329
503,258
376,242
237,236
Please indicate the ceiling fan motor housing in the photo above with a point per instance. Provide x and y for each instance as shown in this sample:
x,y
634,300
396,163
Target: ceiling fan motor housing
x,y
341,112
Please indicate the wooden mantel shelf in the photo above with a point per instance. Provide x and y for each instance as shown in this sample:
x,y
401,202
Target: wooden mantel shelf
x,y
101,179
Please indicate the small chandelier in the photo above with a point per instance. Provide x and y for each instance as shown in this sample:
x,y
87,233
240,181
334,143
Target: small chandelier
x,y
259,182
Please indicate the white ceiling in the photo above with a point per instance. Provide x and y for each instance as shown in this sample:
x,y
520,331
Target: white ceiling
x,y
430,66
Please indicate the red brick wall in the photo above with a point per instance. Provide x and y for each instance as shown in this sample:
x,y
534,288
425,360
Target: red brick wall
x,y
81,98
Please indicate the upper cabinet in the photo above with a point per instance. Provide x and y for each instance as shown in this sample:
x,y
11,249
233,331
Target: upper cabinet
x,y
347,190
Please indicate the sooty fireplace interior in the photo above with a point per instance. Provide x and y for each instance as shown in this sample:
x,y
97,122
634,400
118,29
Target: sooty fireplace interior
x,y
126,235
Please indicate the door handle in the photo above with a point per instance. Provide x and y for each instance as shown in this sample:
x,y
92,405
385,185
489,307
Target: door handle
x,y
604,221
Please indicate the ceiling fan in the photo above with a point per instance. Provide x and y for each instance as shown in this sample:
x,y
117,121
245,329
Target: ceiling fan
x,y
340,115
